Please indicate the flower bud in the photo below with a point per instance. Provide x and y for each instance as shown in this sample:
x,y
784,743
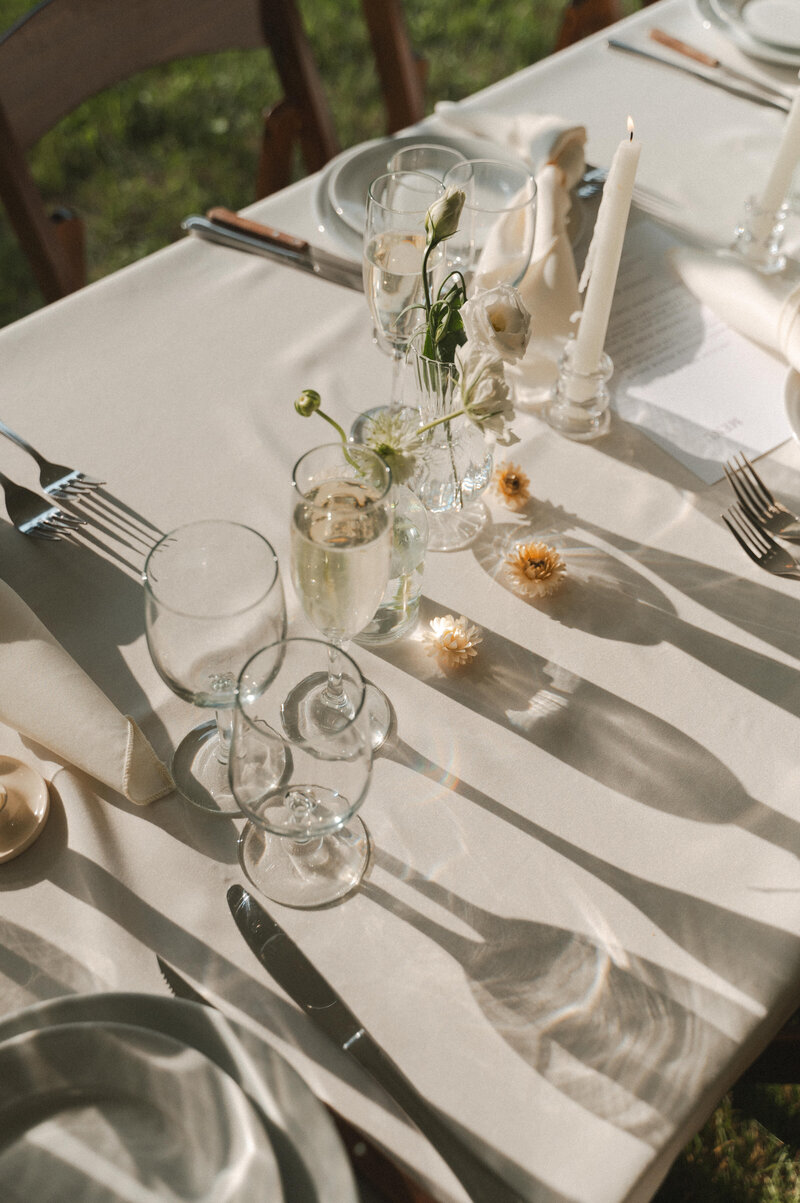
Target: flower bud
x,y
441,220
308,401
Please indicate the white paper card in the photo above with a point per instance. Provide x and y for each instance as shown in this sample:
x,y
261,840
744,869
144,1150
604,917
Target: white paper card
x,y
697,388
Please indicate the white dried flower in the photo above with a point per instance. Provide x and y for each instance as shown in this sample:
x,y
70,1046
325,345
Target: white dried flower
x,y
499,321
485,394
452,640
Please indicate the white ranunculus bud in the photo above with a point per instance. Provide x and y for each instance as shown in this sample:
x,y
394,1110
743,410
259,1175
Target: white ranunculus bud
x,y
498,320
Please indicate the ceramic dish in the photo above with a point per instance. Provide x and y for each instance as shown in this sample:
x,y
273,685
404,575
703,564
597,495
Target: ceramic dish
x,y
109,1111
758,50
312,1163
776,23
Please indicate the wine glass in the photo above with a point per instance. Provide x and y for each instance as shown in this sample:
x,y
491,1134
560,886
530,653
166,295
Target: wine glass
x,y
213,596
394,244
494,240
429,157
341,545
300,789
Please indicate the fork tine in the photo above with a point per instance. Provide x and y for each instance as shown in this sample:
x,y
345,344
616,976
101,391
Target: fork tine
x,y
756,479
744,546
65,521
38,532
761,538
744,491
756,515
91,482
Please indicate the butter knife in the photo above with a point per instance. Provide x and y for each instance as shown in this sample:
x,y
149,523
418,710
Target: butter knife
x,y
715,64
293,971
245,235
747,93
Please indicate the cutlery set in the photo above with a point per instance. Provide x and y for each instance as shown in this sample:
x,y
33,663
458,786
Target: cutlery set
x,y
756,517
34,514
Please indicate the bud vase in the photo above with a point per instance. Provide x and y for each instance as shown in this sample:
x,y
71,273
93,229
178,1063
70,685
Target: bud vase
x,y
455,463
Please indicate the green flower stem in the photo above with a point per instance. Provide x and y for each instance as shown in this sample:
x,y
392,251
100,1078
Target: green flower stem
x,y
438,421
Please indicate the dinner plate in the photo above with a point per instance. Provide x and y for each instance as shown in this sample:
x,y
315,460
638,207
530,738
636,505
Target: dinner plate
x,y
312,1163
109,1111
349,181
791,401
773,22
750,46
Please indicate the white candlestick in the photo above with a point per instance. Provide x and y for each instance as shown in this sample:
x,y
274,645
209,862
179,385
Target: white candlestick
x,y
604,256
777,185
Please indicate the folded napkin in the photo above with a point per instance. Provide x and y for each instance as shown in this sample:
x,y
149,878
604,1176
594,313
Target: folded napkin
x,y
46,696
554,152
765,309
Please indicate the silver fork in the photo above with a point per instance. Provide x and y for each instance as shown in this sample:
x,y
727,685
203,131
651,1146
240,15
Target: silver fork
x,y
34,515
56,479
760,546
758,503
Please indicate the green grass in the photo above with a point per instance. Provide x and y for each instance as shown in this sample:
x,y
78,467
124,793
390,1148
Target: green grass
x,y
134,161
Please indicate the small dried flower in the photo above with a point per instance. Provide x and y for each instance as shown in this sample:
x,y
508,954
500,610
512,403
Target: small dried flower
x,y
512,484
452,640
534,569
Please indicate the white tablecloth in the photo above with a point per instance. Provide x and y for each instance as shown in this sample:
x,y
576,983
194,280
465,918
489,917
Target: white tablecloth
x,y
582,919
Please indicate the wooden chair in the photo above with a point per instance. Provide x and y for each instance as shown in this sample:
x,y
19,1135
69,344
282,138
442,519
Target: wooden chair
x,y
65,51
583,17
401,72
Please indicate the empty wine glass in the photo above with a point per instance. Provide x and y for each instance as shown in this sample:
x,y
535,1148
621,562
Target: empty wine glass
x,y
429,157
494,240
302,847
213,596
341,540
394,244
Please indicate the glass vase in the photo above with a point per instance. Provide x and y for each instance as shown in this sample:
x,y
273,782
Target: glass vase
x,y
456,461
397,614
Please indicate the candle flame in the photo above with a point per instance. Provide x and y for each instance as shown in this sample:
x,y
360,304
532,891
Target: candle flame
x,y
630,127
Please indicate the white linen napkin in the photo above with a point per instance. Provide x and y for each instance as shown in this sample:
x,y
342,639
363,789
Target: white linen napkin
x,y
536,138
46,696
763,308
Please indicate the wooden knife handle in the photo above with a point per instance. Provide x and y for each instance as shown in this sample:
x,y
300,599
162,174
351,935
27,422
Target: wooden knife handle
x,y
232,221
699,56
372,1164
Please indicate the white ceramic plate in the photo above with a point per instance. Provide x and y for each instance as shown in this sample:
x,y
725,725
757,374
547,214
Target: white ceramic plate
x,y
311,1159
791,400
109,1111
758,50
773,22
349,181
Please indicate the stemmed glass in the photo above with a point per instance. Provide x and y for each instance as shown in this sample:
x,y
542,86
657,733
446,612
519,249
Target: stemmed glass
x,y
300,788
494,240
429,157
394,244
341,540
213,596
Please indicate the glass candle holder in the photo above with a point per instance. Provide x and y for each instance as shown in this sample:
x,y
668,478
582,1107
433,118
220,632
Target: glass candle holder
x,y
578,407
759,236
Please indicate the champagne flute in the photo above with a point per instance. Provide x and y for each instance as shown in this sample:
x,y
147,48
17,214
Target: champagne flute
x,y
213,596
429,157
341,544
494,240
302,846
394,244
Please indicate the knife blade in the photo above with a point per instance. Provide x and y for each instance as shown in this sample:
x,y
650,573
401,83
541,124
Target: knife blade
x,y
709,60
747,93
369,1161
293,971
246,235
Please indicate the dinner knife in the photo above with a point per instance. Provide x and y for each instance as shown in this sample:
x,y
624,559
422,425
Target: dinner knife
x,y
245,235
293,971
747,93
715,64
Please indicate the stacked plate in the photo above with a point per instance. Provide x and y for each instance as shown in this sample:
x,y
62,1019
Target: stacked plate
x,y
136,1097
765,29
